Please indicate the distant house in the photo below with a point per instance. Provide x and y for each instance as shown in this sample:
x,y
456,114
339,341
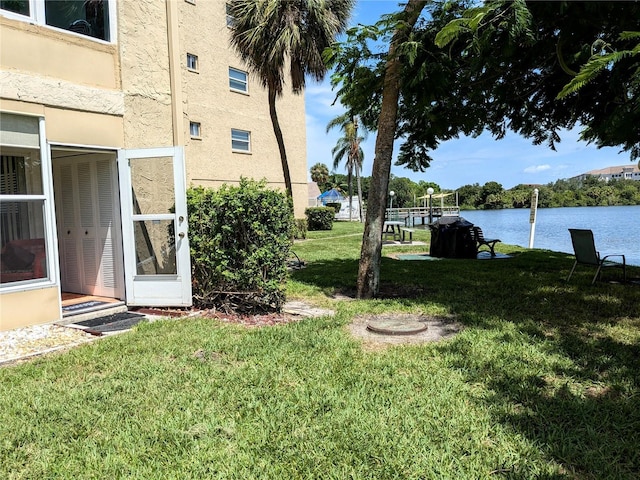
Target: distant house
x,y
314,193
620,172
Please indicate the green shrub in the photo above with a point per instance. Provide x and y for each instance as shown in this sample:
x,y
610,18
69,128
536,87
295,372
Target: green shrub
x,y
320,218
335,205
240,237
300,228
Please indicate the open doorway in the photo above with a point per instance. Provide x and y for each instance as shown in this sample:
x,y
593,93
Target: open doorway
x,y
89,228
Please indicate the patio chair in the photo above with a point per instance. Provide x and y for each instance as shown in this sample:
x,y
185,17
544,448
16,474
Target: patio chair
x,y
480,240
585,251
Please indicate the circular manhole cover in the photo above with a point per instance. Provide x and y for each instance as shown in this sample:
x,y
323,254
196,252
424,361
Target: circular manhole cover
x,y
396,326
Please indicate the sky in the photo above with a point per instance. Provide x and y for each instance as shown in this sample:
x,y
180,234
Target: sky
x,y
510,161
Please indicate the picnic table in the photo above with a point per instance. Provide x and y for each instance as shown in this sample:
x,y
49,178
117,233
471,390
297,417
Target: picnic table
x,y
392,228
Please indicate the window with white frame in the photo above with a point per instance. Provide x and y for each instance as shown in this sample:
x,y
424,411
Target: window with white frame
x,y
195,130
240,140
192,62
238,80
23,254
91,18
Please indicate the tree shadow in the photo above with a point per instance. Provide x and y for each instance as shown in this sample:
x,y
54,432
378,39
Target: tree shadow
x,y
563,364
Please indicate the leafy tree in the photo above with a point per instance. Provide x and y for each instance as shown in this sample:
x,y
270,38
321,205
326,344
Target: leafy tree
x,y
519,196
320,174
491,195
469,196
348,148
270,35
521,55
403,189
371,253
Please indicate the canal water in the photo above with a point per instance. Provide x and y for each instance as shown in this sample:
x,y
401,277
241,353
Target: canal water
x,y
615,229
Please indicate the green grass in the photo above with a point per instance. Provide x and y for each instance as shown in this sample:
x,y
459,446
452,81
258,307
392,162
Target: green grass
x,y
543,382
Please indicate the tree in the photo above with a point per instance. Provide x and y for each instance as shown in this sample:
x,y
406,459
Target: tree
x,y
271,34
319,174
469,196
522,59
348,147
371,252
403,190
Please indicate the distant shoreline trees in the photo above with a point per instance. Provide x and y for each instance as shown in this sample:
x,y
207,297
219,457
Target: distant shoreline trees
x,y
492,196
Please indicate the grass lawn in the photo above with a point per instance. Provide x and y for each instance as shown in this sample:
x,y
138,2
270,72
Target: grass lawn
x,y
543,382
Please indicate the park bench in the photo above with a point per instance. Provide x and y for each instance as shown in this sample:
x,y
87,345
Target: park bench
x,y
404,231
480,240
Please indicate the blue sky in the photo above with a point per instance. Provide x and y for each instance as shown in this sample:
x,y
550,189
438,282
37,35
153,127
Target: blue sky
x,y
462,161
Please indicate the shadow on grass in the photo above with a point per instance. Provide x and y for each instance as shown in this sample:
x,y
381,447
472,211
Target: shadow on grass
x,y
560,362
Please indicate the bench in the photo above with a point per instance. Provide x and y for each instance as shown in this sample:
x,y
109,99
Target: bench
x,y
480,240
404,233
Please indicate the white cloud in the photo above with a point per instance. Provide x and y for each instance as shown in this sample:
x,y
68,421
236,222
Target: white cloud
x,y
537,168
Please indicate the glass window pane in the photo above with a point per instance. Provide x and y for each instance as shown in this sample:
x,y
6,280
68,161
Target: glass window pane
x,y
237,80
240,140
20,172
87,17
152,185
192,61
155,247
15,6
23,256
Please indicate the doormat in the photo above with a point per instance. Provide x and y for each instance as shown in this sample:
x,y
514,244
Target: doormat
x,y
112,323
82,305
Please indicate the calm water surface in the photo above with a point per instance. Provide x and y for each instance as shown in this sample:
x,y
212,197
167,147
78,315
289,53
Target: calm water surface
x,y
615,229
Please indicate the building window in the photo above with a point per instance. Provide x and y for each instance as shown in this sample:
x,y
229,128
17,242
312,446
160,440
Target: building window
x,y
230,19
194,130
238,80
23,251
240,140
90,18
192,62
21,7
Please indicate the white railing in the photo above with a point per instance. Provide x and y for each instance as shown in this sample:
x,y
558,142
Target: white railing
x,y
422,213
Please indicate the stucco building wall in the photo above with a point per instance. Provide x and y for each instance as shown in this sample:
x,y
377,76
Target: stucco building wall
x,y
208,100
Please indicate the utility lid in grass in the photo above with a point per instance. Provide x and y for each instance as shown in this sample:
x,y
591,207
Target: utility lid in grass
x,y
396,326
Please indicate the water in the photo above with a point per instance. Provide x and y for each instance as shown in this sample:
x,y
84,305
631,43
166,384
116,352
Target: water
x,y
615,229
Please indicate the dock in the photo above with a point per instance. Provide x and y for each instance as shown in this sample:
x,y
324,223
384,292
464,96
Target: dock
x,y
420,215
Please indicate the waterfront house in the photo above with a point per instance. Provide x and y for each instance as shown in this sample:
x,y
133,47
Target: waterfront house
x,y
619,172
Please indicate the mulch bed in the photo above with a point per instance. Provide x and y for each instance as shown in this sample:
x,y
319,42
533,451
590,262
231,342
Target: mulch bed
x,y
264,320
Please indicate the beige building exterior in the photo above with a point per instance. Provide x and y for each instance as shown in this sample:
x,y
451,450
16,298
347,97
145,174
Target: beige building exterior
x,y
108,111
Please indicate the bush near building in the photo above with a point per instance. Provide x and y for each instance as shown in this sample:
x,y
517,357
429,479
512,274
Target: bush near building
x,y
320,218
240,238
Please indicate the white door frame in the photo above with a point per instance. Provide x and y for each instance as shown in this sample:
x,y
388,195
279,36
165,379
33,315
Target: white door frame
x,y
157,289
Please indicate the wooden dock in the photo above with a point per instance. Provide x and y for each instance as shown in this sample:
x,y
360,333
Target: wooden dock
x,y
420,215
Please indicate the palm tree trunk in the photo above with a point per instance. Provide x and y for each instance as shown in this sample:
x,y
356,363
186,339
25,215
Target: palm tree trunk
x,y
371,252
350,182
278,133
360,203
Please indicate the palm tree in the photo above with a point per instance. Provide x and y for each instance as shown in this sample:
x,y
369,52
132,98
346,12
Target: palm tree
x,y
348,147
320,174
270,35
